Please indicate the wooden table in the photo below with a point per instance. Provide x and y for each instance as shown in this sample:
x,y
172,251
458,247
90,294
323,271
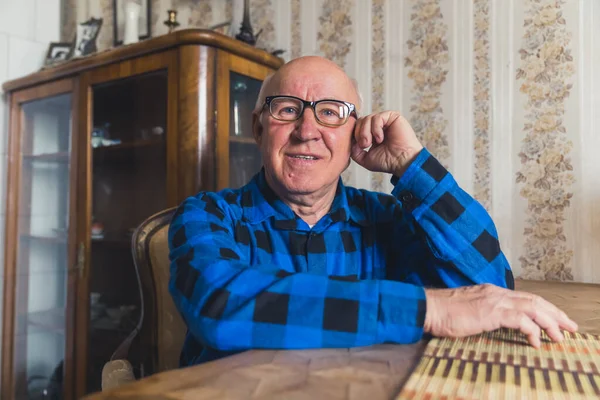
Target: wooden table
x,y
374,372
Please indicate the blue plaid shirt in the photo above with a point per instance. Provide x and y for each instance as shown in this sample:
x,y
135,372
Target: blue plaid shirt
x,y
246,272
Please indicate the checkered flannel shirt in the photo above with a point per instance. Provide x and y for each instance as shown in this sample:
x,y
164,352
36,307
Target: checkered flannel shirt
x,y
246,272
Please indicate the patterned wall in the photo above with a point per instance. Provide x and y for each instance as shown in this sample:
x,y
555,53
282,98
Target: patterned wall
x,y
378,56
546,175
501,91
427,62
481,102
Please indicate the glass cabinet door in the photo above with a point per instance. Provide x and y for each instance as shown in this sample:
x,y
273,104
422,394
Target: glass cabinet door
x,y
42,262
129,181
244,156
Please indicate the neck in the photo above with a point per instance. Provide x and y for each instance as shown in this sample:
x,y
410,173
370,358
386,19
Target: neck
x,y
311,207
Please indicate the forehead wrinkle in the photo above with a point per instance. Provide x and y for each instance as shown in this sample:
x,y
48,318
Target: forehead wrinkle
x,y
313,78
311,90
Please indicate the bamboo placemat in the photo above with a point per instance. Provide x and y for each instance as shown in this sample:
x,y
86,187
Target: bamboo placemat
x,y
502,365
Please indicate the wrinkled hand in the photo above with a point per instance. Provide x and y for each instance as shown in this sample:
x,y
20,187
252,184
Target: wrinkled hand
x,y
394,143
475,309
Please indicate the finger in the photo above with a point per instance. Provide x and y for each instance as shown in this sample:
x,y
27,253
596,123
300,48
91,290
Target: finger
x,y
567,323
562,319
539,303
546,321
357,128
519,320
377,125
366,137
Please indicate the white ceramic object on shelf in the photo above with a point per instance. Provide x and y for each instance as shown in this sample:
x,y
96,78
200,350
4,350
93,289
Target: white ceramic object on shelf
x,y
132,22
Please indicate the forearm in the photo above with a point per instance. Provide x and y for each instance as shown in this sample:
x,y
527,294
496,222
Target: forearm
x,y
301,310
454,227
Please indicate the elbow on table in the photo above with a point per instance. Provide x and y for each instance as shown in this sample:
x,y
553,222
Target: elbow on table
x,y
213,334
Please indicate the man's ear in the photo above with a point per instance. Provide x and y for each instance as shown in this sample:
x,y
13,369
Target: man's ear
x,y
257,128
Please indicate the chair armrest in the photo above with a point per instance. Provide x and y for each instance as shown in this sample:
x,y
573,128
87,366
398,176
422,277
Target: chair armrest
x,y
116,373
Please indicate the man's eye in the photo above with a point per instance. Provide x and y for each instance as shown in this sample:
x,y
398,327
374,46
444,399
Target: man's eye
x,y
288,110
328,112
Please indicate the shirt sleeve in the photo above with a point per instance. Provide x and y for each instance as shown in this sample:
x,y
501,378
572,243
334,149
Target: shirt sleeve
x,y
230,305
458,234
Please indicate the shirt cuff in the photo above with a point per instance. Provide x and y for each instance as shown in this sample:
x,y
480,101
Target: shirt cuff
x,y
402,311
420,178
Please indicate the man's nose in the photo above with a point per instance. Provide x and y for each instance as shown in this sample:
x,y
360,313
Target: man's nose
x,y
307,127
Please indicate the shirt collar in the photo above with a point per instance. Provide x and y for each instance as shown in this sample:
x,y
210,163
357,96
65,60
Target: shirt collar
x,y
260,202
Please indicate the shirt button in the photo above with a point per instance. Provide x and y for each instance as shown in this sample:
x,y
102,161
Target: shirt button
x,y
407,197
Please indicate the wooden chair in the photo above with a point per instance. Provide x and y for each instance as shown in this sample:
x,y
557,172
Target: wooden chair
x,y
160,331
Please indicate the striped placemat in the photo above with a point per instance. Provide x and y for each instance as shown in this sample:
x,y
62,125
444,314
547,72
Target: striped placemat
x,y
502,365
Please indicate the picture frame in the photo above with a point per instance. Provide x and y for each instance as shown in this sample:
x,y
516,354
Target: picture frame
x,y
85,37
58,52
145,22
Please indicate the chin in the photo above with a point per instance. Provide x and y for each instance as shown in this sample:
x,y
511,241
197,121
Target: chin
x,y
302,184
299,181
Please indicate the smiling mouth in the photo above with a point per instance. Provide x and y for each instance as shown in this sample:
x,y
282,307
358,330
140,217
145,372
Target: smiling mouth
x,y
305,157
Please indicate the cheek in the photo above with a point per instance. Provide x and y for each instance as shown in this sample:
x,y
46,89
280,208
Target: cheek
x,y
272,143
338,143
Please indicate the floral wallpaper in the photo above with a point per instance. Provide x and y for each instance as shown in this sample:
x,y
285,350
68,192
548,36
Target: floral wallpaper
x,y
263,16
335,30
427,64
296,30
105,38
159,14
482,185
546,71
198,12
68,13
334,41
378,74
228,9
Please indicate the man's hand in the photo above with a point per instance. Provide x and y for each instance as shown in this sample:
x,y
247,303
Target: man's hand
x,y
394,143
471,310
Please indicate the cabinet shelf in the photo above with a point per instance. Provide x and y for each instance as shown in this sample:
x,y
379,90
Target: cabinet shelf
x,y
62,157
129,145
45,239
128,152
112,241
52,320
241,140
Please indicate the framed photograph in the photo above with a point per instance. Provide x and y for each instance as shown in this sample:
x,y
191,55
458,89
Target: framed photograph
x,y
145,20
85,39
57,53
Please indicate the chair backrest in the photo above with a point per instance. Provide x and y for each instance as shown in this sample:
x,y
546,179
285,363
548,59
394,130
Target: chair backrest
x,y
162,329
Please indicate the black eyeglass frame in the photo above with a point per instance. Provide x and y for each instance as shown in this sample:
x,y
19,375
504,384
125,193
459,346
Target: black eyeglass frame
x,y
313,105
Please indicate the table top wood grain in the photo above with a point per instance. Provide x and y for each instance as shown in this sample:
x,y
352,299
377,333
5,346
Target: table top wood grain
x,y
374,372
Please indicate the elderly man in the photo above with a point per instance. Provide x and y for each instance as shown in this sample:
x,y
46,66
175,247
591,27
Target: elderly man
x,y
296,260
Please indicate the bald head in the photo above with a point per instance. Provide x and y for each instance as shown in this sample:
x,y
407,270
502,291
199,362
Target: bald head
x,y
301,70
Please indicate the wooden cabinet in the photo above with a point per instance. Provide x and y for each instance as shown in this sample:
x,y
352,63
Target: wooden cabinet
x,y
97,145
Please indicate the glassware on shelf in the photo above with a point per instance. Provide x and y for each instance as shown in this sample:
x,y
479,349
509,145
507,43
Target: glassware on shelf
x,y
101,137
158,131
97,230
239,98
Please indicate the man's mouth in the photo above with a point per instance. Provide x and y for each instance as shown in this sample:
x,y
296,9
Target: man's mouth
x,y
302,157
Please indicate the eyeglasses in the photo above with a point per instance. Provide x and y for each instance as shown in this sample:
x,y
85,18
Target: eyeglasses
x,y
327,112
